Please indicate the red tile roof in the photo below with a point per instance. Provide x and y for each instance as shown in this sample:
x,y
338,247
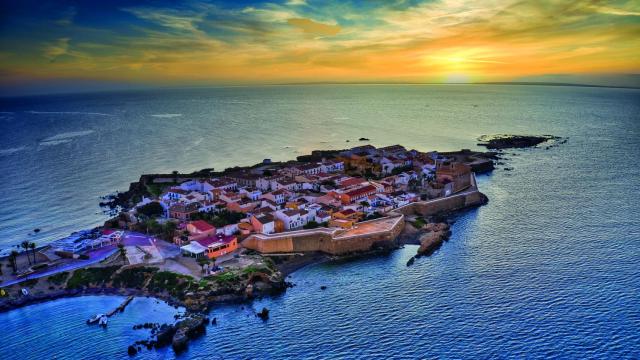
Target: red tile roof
x,y
202,225
220,238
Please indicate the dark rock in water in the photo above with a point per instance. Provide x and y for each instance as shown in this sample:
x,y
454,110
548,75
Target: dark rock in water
x,y
502,141
264,314
411,261
165,335
36,230
323,287
363,139
131,350
508,169
180,340
347,140
188,329
214,321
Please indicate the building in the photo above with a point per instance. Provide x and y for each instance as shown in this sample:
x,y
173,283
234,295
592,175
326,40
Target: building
x,y
211,247
358,194
456,173
183,211
263,223
200,229
292,219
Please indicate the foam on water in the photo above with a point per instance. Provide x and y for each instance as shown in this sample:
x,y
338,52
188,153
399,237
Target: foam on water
x,y
167,116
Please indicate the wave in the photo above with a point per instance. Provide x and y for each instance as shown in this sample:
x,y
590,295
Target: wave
x,y
166,116
67,113
63,138
6,152
341,118
54,142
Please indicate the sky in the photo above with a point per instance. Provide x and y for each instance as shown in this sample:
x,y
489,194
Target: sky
x,y
49,46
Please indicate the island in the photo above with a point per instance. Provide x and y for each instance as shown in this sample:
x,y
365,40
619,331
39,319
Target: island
x,y
208,237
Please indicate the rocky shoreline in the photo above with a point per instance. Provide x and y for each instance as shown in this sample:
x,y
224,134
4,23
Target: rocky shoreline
x,y
198,296
505,141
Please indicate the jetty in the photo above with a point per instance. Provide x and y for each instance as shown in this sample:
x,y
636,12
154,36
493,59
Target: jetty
x,y
102,318
121,307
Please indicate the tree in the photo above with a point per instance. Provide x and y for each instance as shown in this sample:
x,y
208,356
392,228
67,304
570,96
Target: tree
x,y
151,209
202,262
12,261
152,226
168,230
311,225
25,245
123,253
32,246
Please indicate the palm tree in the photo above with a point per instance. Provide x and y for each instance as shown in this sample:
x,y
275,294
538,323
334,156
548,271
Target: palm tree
x,y
32,246
25,246
12,261
123,253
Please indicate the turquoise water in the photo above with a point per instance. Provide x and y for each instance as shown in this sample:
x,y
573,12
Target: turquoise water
x,y
548,269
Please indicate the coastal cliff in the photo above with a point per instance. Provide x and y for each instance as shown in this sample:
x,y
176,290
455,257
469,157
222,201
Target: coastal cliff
x,y
183,290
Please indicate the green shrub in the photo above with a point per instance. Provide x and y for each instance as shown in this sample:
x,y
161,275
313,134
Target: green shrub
x,y
30,283
133,278
59,278
226,278
174,284
91,276
311,225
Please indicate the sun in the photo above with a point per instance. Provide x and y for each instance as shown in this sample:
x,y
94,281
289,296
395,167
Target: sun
x,y
457,78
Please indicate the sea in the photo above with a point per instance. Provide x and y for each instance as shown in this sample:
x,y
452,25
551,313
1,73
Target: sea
x,y
548,269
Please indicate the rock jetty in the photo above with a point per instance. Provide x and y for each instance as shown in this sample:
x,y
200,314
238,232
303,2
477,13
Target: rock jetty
x,y
436,234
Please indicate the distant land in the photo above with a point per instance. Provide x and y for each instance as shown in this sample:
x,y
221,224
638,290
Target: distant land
x,y
632,81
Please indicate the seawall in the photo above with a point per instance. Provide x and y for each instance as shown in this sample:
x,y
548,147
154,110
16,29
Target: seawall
x,y
363,237
444,205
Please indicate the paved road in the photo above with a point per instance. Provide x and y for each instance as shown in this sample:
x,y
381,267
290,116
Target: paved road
x,y
95,256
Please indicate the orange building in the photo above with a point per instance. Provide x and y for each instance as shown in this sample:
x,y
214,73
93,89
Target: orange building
x,y
218,245
359,194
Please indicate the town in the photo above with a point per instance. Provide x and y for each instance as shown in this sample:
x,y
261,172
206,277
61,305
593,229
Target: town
x,y
333,202
204,238
213,215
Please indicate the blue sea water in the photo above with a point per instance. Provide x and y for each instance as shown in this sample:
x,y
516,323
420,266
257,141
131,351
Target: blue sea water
x,y
548,269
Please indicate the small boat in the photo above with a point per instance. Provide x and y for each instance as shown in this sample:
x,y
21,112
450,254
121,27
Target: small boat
x,y
103,321
95,319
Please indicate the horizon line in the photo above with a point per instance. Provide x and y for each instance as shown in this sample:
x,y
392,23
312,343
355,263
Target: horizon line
x,y
316,83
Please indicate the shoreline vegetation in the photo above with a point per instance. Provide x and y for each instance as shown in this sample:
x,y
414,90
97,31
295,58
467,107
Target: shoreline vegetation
x,y
267,273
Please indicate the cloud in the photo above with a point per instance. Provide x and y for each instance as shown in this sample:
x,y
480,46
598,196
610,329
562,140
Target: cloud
x,y
56,49
330,40
296,2
312,27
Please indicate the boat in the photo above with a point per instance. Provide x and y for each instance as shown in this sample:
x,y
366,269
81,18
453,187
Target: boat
x,y
103,321
94,319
